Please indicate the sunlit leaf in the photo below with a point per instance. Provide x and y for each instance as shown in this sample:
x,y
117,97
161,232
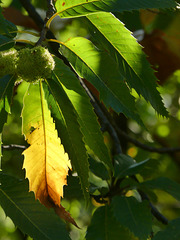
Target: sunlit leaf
x,y
101,70
46,162
68,126
125,50
134,215
27,214
76,8
88,121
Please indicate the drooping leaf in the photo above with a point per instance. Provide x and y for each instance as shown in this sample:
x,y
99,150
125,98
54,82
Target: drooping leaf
x,y
165,184
171,232
101,70
128,54
88,121
126,166
76,8
27,213
104,226
134,215
6,93
6,43
67,124
46,162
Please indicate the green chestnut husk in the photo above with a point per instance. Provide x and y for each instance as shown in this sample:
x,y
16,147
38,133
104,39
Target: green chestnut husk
x,y
34,64
8,62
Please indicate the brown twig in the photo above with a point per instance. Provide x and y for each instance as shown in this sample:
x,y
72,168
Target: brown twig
x,y
146,147
51,10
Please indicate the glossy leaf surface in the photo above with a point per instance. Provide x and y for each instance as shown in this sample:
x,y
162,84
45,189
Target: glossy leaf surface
x,y
127,53
101,71
87,119
76,8
67,124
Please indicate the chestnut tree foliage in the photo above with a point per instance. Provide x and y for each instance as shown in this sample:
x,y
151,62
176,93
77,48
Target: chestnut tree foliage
x,y
77,84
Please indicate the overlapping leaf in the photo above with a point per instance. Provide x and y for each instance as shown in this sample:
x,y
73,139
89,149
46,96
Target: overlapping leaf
x,y
125,50
134,215
126,166
104,226
164,184
69,129
101,70
76,8
88,121
46,162
29,215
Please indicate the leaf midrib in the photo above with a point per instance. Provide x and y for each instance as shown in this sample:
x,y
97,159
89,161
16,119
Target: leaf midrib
x,y
23,213
94,74
106,37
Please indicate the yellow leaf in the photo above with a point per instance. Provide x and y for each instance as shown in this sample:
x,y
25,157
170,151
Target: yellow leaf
x,y
46,162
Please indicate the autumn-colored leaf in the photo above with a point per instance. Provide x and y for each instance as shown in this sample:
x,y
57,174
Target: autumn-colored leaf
x,y
46,162
62,213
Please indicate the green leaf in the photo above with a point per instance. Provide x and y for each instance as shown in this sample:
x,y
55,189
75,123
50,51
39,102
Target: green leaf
x,y
165,184
68,129
125,50
98,169
29,215
171,232
126,166
101,70
3,117
6,43
73,189
6,94
104,226
76,8
88,121
134,215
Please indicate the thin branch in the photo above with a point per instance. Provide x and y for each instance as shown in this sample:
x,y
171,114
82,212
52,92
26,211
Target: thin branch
x,y
13,147
40,23
136,142
51,10
146,147
32,13
161,218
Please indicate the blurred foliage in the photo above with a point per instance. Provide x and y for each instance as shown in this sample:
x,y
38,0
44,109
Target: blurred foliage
x,y
160,132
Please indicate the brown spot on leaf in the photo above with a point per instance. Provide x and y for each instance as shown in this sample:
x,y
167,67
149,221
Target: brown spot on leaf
x,y
63,3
